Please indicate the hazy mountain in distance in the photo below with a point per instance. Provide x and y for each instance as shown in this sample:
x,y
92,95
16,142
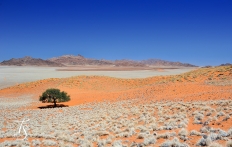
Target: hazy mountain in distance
x,y
71,60
29,61
158,62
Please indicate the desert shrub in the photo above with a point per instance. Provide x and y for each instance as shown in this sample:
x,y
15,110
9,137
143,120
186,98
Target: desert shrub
x,y
196,121
108,141
153,126
63,136
101,143
210,119
141,135
172,134
86,143
66,145
214,136
142,129
102,133
161,128
117,131
220,114
213,130
206,123
2,134
36,142
123,134
229,143
183,132
215,144
173,143
48,136
230,131
49,142
223,133
164,136
132,131
215,118
5,143
10,143
134,144
226,118
24,143
117,143
182,125
168,127
60,143
204,141
204,130
199,116
149,140
206,108
208,113
130,125
194,132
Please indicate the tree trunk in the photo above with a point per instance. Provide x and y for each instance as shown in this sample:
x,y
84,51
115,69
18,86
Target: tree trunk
x,y
54,101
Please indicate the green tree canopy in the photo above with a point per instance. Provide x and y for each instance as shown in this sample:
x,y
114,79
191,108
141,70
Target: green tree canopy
x,y
54,95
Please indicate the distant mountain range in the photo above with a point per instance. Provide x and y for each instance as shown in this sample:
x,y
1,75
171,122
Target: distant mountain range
x,y
158,62
226,64
71,60
29,61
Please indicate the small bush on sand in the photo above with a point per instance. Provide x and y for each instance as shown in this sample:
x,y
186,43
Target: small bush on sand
x,y
36,142
204,130
183,132
204,141
117,143
149,140
86,143
194,132
223,133
229,143
230,131
49,143
164,136
214,136
141,136
226,118
173,143
215,144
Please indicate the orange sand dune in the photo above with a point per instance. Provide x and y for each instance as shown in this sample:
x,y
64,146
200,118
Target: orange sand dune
x,y
201,84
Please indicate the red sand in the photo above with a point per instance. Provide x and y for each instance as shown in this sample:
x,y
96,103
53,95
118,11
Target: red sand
x,y
202,84
82,89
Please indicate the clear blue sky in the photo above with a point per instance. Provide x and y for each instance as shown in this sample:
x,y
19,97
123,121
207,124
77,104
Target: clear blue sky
x,y
192,31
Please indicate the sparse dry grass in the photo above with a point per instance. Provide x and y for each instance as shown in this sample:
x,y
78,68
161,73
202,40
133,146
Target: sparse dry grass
x,y
108,124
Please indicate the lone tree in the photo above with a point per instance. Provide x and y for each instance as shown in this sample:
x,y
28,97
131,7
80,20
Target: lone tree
x,y
54,95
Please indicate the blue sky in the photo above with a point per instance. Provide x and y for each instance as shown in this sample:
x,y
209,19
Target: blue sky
x,y
192,31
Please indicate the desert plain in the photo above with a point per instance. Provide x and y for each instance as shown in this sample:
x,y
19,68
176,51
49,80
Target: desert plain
x,y
117,107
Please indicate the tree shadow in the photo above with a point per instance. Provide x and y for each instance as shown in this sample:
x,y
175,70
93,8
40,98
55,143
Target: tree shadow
x,y
52,106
